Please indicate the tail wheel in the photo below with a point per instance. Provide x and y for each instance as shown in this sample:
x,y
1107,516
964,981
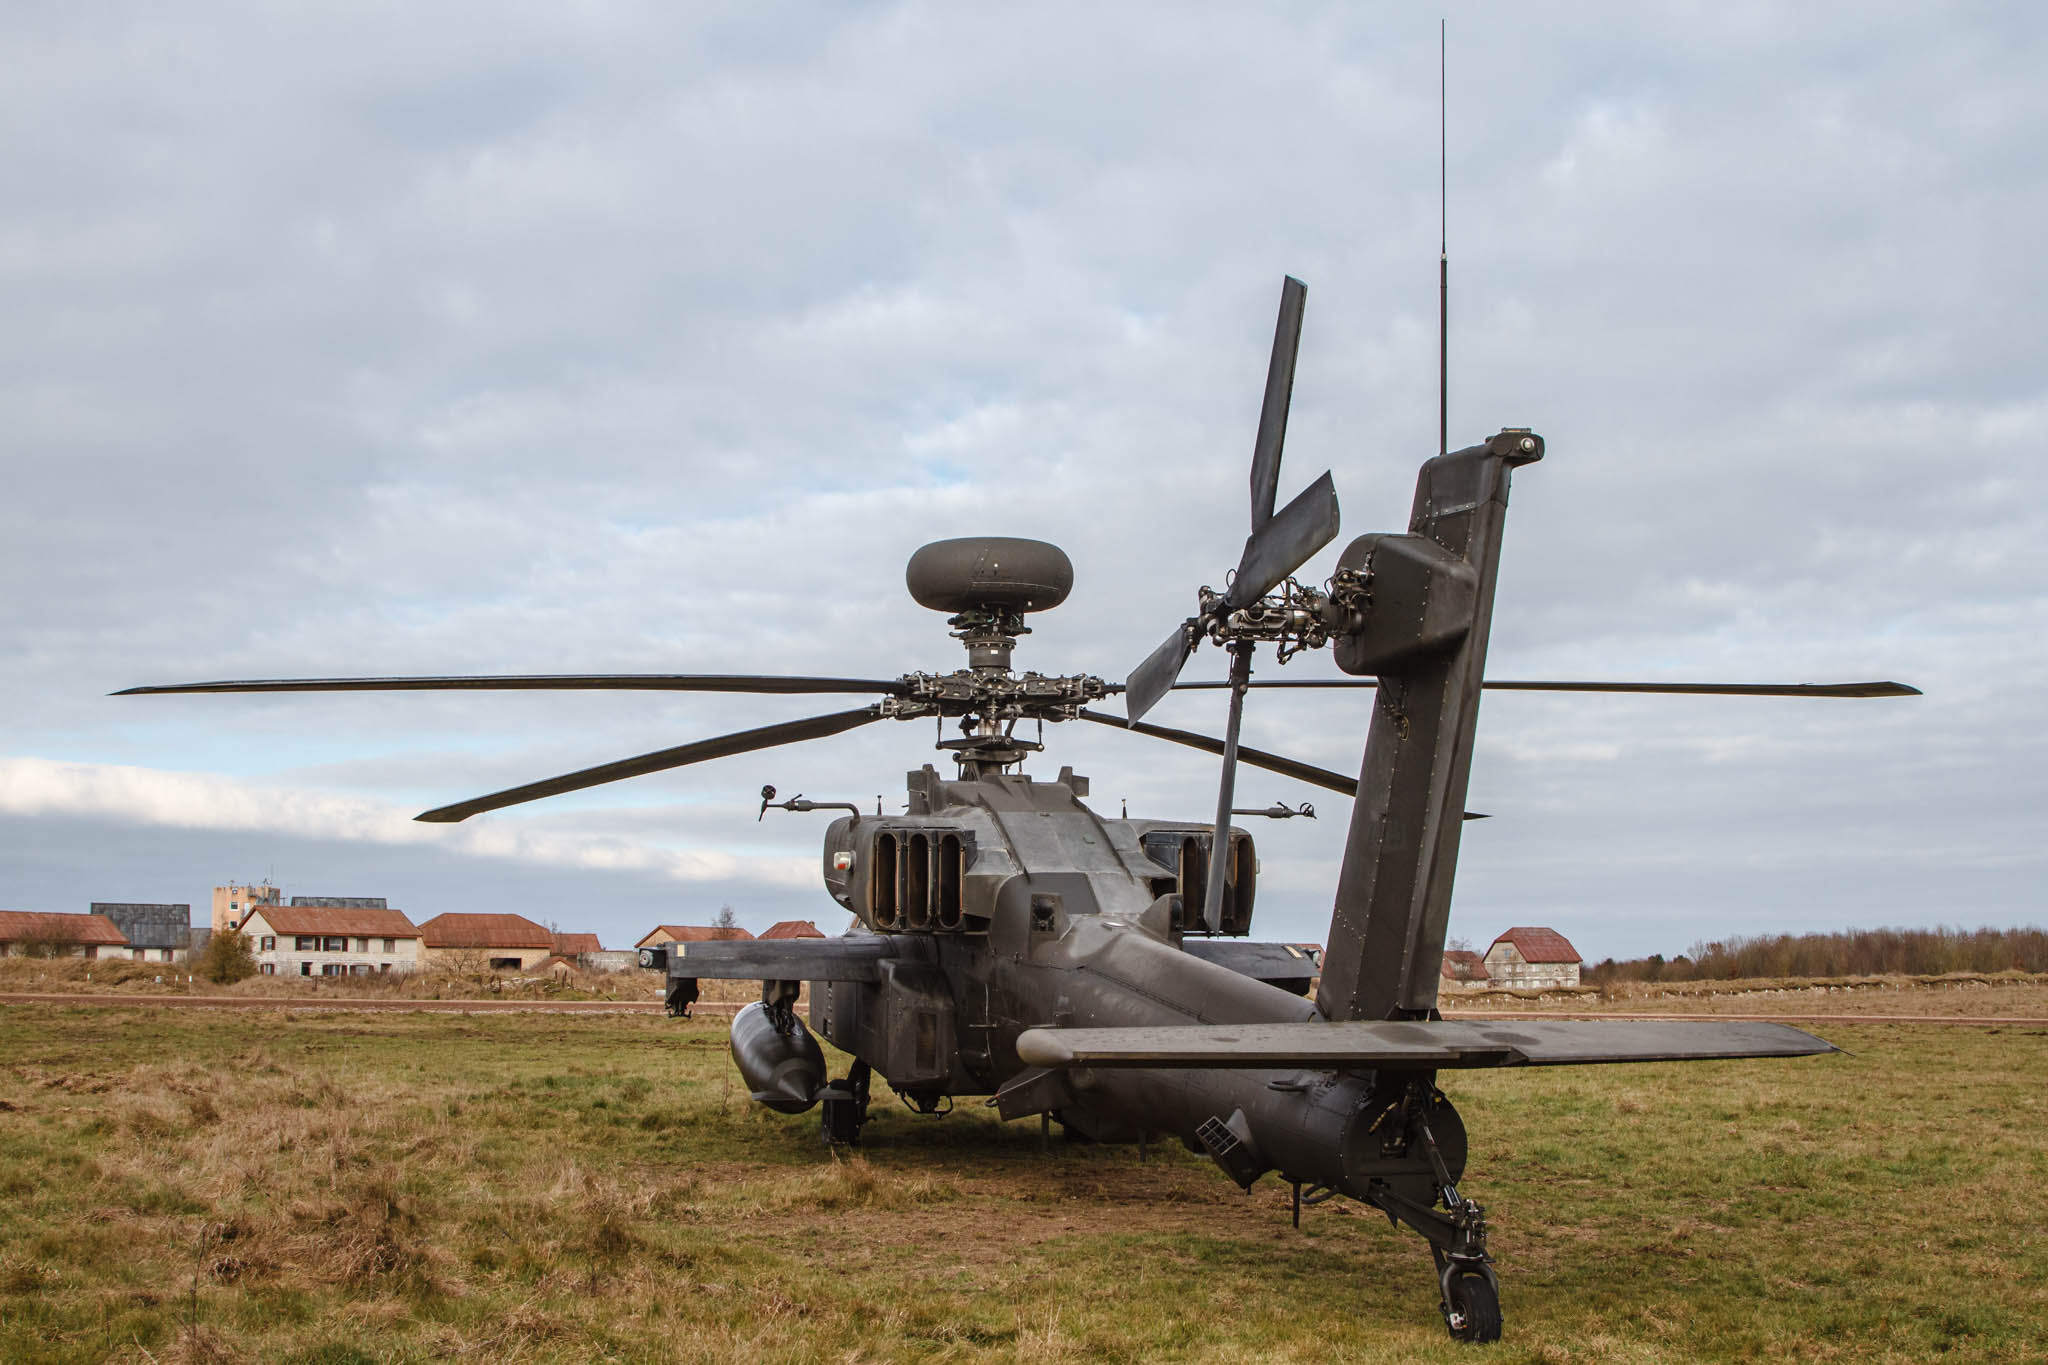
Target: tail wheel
x,y
1472,1306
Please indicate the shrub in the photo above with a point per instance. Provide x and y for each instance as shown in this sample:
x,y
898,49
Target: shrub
x,y
227,958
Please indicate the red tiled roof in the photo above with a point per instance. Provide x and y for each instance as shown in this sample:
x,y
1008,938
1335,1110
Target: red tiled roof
x,y
792,928
1539,945
458,930
1462,964
570,945
90,930
332,919
693,933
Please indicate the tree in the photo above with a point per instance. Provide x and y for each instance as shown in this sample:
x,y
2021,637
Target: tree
x,y
227,958
725,921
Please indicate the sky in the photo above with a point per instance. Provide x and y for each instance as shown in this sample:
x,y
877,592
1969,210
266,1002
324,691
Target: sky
x,y
366,339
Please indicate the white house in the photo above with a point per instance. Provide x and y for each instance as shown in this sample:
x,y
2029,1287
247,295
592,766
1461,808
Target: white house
x,y
1532,960
326,940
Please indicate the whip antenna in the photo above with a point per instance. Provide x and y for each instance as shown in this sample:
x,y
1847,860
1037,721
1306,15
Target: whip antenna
x,y
1443,259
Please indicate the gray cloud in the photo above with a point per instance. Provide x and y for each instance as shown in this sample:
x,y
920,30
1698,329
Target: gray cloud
x,y
508,340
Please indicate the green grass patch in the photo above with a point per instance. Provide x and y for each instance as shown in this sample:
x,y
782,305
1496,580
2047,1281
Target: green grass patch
x,y
340,1188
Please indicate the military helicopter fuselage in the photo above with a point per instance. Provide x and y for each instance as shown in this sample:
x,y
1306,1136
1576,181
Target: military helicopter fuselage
x,y
999,904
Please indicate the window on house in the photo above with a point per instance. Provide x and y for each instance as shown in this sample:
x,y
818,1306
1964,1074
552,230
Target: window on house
x,y
332,969
163,955
334,944
384,966
305,943
305,969
390,945
362,945
268,969
504,964
269,942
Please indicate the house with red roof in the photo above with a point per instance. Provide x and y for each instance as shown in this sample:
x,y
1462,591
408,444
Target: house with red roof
x,y
1465,970
692,933
1532,959
502,943
792,928
330,940
575,947
38,933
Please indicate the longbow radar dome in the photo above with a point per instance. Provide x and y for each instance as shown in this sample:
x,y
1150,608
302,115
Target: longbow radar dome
x,y
998,572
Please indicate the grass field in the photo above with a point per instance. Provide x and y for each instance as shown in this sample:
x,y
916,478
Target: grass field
x,y
335,1188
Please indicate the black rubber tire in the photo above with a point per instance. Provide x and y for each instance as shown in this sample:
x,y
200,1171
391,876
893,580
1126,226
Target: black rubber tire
x,y
1474,1299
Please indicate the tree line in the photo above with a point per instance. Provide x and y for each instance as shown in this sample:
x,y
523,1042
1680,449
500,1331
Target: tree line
x,y
1850,952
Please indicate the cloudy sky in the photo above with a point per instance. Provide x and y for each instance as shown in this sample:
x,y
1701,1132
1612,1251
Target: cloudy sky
x,y
504,338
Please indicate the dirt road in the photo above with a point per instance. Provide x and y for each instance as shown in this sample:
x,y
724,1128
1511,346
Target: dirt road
x,y
725,1009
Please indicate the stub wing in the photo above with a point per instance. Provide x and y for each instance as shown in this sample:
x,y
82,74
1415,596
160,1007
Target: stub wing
x,y
788,959
1418,1045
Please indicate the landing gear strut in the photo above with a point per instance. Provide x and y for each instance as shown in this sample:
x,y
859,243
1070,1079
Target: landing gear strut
x,y
1457,1234
845,1107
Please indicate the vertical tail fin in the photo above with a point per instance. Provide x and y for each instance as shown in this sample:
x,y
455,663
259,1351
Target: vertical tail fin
x,y
1418,609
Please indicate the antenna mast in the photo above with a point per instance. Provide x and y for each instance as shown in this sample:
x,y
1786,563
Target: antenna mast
x,y
1443,259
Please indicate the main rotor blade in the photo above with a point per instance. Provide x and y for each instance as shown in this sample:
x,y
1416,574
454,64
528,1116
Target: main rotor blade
x,y
546,682
766,737
1848,689
1257,758
1279,393
1150,680
1285,542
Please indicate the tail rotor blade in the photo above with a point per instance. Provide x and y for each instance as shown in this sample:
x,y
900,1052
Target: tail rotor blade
x,y
744,741
1279,393
1285,542
1226,789
1154,678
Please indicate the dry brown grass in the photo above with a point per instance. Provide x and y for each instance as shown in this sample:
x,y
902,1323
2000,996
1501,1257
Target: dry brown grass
x,y
333,1189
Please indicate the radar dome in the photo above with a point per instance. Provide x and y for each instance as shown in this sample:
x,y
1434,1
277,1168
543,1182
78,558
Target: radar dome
x,y
989,571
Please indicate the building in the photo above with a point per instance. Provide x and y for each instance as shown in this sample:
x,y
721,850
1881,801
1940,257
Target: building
x,y
692,933
232,904
792,928
499,943
1532,960
576,949
314,940
155,933
1465,970
36,933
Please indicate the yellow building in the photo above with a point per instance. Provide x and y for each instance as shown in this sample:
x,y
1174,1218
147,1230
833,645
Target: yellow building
x,y
232,904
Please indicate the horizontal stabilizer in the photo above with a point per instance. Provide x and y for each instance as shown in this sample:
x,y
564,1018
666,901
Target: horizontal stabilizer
x,y
782,959
1423,1044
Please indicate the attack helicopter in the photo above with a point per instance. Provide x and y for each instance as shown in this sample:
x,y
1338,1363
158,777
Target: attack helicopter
x,y
1010,942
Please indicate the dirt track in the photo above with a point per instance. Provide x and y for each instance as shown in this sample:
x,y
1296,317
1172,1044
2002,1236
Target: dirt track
x,y
273,1002
722,1009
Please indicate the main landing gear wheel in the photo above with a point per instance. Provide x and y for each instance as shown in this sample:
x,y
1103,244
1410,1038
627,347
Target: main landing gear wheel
x,y
1471,1306
845,1108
